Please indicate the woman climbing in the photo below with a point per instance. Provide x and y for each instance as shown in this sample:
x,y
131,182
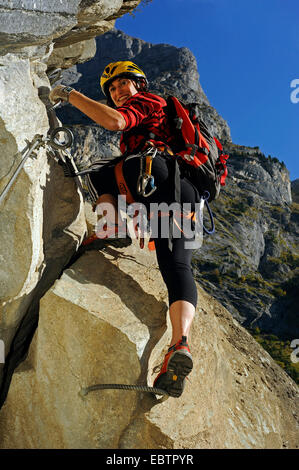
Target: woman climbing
x,y
141,117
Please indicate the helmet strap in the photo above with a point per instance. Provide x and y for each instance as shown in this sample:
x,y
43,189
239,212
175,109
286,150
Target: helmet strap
x,y
140,84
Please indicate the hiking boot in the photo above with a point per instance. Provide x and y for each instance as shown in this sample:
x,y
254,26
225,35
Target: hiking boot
x,y
95,243
176,366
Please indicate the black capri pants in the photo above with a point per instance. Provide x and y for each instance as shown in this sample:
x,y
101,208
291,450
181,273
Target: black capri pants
x,y
175,263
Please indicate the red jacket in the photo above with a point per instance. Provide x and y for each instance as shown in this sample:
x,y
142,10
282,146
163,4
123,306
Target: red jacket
x,y
146,120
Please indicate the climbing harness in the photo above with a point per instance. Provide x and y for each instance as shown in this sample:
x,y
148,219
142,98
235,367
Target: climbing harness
x,y
138,388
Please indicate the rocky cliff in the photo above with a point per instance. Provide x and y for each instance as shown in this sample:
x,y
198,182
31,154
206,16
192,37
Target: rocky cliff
x,y
295,190
63,327
42,217
254,254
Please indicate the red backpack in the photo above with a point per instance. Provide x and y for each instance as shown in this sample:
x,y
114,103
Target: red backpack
x,y
204,162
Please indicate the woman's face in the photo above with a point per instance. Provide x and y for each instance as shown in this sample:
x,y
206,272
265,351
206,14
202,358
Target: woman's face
x,y
121,90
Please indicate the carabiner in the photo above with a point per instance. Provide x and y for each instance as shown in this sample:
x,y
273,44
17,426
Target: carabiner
x,y
69,138
142,183
145,177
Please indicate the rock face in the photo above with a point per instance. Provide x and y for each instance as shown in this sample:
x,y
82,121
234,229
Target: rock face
x,y
251,263
40,22
295,190
237,398
42,223
42,219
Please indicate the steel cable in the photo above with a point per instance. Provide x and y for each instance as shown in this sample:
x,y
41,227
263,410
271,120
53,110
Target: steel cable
x,y
137,388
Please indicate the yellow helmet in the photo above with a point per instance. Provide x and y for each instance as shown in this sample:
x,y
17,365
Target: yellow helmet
x,y
124,68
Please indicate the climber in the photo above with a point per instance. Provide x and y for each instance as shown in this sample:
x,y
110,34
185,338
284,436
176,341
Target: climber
x,y
140,116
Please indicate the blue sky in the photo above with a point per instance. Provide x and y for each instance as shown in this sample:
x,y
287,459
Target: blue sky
x,y
247,53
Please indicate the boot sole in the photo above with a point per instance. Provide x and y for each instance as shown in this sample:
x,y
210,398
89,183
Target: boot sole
x,y
100,243
173,380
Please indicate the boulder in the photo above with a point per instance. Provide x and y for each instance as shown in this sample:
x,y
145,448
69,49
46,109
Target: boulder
x,y
104,321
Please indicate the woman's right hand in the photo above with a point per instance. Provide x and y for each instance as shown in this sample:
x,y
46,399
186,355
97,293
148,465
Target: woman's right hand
x,y
59,93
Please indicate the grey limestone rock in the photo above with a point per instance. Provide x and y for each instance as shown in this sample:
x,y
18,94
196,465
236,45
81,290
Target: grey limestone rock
x,y
250,264
26,23
42,217
295,190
